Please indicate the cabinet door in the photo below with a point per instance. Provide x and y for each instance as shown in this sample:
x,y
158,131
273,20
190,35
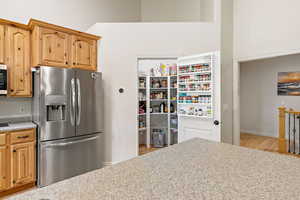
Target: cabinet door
x,y
2,44
3,168
84,53
22,164
54,47
18,62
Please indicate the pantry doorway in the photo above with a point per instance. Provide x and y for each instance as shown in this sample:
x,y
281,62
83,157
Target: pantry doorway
x,y
178,100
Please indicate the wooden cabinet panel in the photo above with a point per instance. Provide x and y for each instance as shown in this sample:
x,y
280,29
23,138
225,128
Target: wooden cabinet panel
x,y
22,163
84,53
2,139
22,136
18,62
2,29
52,47
3,168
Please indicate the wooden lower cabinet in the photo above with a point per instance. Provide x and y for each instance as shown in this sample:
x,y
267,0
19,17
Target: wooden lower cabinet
x,y
22,163
17,161
3,168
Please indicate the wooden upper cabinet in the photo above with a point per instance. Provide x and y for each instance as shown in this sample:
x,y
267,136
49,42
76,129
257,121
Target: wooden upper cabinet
x,y
3,168
2,33
84,53
22,163
50,47
17,45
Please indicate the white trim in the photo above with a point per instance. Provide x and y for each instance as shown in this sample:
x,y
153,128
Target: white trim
x,y
106,164
267,56
236,85
3,67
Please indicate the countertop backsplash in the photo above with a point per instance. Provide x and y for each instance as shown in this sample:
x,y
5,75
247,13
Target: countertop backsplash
x,y
19,108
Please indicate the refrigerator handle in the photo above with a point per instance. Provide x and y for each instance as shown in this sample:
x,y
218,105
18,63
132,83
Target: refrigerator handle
x,y
73,97
71,143
78,102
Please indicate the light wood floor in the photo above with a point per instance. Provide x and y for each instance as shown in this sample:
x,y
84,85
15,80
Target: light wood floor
x,y
259,142
262,143
144,150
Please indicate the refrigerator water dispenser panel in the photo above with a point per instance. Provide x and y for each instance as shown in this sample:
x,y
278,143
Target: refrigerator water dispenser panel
x,y
56,112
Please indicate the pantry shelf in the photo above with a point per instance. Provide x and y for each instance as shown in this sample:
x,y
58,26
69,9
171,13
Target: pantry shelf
x,y
195,73
193,82
195,116
196,91
159,100
199,104
158,88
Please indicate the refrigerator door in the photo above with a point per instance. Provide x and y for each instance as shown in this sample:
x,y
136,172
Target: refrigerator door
x,y
66,158
89,110
57,103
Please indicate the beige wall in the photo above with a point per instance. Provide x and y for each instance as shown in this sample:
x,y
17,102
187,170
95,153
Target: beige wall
x,y
77,14
266,27
177,10
119,67
227,135
259,99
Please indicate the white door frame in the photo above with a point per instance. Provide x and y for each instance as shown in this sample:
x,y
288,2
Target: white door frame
x,y
236,87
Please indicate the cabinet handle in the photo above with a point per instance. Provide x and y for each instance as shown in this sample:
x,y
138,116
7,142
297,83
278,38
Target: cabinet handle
x,y
66,63
14,182
23,137
14,151
11,90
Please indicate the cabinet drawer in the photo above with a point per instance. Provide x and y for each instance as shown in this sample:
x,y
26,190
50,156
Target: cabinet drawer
x,y
22,136
2,139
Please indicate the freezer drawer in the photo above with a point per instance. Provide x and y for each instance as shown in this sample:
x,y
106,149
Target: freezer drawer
x,y
62,159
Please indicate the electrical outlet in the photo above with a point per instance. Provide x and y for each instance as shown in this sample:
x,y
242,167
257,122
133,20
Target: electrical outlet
x,y
22,109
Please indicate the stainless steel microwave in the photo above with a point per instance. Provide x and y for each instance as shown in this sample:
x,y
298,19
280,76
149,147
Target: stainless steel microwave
x,y
3,80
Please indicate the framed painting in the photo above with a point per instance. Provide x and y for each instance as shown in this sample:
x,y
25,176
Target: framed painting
x,y
288,84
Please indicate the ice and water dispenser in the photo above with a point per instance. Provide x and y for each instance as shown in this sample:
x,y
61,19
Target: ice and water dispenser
x,y
56,112
56,108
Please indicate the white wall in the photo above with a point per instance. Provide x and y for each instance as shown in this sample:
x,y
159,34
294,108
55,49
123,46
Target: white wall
x,y
266,27
121,46
259,99
177,10
76,14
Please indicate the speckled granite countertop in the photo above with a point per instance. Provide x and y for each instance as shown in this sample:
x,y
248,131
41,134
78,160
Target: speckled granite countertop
x,y
196,169
18,126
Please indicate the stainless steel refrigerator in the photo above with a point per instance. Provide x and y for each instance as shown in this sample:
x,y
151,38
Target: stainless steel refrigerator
x,y
68,108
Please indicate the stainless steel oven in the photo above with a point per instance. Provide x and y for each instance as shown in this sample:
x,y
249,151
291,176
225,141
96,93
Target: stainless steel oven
x,y
3,80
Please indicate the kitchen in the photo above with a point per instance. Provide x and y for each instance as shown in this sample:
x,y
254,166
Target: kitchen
x,y
62,128
65,124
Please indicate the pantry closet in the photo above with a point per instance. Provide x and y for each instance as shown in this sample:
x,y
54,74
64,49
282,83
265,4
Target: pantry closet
x,y
157,107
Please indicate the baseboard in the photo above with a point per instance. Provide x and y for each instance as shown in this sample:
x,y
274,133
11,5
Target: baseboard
x,y
17,190
106,164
